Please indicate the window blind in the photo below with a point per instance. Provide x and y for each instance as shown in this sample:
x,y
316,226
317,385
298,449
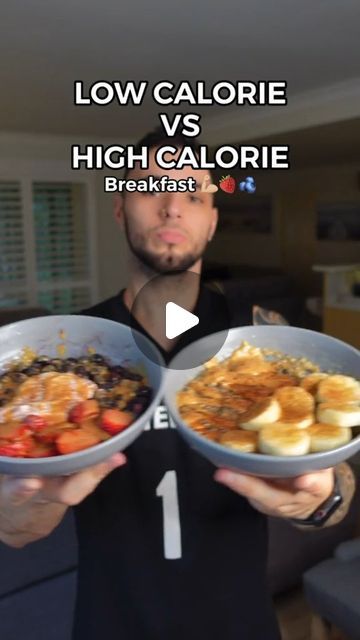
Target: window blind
x,y
61,277
61,246
13,289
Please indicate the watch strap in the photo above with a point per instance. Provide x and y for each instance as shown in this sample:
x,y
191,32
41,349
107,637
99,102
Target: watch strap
x,y
324,511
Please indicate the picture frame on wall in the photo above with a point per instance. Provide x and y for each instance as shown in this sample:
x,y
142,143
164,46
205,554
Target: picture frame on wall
x,y
338,221
254,216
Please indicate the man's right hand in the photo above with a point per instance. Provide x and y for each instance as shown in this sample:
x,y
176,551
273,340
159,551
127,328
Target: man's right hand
x,y
30,508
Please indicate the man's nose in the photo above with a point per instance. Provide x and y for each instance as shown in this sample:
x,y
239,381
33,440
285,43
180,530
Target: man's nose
x,y
172,206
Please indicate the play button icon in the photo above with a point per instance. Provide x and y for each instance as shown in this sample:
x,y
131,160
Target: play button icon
x,y
176,309
178,320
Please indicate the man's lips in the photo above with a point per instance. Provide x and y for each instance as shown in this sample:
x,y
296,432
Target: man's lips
x,y
171,236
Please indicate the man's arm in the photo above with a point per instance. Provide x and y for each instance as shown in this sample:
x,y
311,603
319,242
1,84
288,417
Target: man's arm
x,y
346,483
31,508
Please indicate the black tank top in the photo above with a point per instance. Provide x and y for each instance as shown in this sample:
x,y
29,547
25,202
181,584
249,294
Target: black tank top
x,y
165,552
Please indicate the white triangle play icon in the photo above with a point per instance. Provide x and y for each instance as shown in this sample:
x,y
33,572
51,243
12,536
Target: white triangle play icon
x,y
178,320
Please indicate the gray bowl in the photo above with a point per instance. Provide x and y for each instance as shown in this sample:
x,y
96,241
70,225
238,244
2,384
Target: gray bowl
x,y
110,339
329,353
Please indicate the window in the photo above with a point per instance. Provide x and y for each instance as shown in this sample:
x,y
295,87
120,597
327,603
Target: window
x,y
45,247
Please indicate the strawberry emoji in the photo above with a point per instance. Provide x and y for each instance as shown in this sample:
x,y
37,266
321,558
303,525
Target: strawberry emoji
x,y
227,184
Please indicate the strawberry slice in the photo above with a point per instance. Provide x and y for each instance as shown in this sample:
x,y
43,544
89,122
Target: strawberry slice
x,y
35,423
49,434
114,421
40,450
74,440
84,411
14,431
227,184
14,449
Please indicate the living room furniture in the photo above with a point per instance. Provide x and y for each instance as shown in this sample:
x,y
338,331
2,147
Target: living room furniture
x,y
341,307
332,589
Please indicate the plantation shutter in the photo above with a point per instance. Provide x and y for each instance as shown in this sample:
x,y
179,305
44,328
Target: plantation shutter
x,y
13,285
61,246
45,258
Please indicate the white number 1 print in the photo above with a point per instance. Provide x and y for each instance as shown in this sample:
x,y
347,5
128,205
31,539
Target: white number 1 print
x,y
167,490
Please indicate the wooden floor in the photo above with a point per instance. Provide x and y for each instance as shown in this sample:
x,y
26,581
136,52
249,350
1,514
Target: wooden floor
x,y
295,619
294,615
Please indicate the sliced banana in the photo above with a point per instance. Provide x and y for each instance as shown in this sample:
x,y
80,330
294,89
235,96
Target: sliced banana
x,y
295,403
327,436
302,423
339,415
240,440
311,382
260,414
284,441
338,389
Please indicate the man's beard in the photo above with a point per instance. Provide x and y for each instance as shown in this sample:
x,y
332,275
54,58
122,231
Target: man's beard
x,y
167,265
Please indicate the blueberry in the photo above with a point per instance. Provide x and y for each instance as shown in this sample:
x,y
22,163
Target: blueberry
x,y
114,376
33,370
107,403
80,370
144,392
131,375
41,360
17,376
137,405
64,367
107,385
48,368
97,358
119,370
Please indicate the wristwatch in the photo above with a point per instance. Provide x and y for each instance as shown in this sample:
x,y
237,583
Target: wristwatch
x,y
324,511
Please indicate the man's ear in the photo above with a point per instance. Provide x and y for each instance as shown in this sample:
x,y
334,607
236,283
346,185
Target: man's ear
x,y
119,209
214,222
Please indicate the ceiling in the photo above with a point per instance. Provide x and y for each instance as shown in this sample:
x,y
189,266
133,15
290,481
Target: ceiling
x,y
45,46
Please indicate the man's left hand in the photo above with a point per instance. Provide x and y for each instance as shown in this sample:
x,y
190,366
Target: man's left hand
x,y
283,497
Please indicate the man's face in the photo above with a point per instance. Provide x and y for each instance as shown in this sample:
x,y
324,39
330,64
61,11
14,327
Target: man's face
x,y
167,231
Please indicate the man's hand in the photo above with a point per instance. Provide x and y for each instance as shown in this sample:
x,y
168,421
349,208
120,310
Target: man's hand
x,y
30,508
283,497
66,490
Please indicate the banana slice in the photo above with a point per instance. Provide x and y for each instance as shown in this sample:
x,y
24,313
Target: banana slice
x,y
260,414
302,423
284,441
311,382
295,402
240,440
339,415
338,389
326,436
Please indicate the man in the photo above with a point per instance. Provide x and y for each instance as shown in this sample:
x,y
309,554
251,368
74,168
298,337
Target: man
x,y
169,547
